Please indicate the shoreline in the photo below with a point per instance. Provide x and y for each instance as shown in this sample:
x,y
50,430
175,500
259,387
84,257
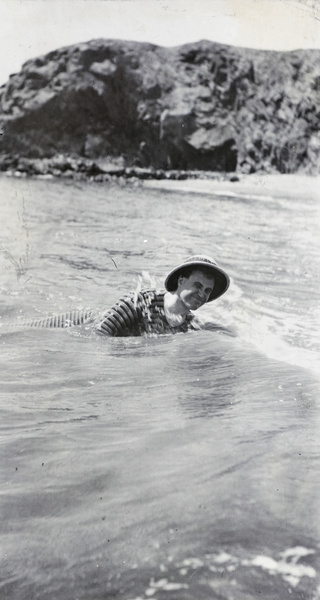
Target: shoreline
x,y
212,183
253,186
100,170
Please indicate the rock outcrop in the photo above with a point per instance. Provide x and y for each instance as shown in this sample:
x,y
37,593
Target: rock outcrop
x,y
202,106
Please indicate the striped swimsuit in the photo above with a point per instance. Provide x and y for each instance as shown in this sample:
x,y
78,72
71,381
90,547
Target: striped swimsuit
x,y
138,314
132,315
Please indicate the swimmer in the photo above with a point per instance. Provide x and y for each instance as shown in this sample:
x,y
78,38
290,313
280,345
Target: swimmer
x,y
188,287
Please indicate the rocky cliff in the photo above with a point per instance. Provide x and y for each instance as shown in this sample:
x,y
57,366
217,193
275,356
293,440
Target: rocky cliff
x,y
203,106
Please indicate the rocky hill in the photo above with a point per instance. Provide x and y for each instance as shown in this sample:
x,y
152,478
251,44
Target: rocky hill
x,y
203,106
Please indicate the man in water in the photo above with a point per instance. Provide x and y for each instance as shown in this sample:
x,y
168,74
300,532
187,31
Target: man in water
x,y
188,286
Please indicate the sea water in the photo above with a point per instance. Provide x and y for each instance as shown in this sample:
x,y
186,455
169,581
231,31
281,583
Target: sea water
x,y
178,467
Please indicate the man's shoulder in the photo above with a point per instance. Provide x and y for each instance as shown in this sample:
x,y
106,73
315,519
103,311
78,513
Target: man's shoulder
x,y
149,295
141,298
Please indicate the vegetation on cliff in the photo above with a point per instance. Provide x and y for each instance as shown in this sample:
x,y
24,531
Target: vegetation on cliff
x,y
200,106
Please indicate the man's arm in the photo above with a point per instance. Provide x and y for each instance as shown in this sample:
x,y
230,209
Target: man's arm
x,y
219,329
211,326
120,320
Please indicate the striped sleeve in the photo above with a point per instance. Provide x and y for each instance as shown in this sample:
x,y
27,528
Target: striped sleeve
x,y
120,320
67,319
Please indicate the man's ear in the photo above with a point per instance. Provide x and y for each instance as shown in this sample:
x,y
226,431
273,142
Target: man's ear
x,y
180,278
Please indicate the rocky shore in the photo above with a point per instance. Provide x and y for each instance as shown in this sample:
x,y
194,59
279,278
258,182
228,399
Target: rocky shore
x,y
127,110
79,169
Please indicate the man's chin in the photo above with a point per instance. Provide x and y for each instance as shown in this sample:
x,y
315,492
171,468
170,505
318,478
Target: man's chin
x,y
194,305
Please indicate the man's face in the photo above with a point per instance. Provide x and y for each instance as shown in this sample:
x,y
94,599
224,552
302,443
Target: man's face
x,y
195,290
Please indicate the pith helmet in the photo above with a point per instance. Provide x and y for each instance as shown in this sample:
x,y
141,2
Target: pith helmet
x,y
221,279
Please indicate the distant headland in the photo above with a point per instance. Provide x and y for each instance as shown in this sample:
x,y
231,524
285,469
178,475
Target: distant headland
x,y
109,108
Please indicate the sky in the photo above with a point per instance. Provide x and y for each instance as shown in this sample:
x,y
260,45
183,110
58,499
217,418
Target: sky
x,y
30,28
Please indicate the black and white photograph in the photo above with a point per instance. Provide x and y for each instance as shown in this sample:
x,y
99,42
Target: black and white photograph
x,y
160,299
